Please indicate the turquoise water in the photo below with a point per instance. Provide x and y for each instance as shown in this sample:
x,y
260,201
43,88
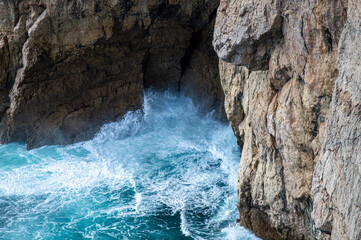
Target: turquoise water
x,y
161,173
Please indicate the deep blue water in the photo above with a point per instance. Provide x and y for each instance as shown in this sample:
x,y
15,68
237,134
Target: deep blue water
x,y
162,173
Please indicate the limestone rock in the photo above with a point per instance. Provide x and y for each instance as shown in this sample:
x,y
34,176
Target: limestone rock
x,y
245,30
67,67
277,99
337,175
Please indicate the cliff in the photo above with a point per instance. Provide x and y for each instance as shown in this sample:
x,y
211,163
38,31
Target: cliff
x,y
67,67
291,75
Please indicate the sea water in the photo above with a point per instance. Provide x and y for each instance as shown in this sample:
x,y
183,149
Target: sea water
x,y
164,172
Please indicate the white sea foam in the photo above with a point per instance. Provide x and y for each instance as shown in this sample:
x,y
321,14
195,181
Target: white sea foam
x,y
235,232
184,226
160,172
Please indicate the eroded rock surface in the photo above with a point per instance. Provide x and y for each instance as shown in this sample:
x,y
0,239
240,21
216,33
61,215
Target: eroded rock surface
x,y
337,175
278,82
67,67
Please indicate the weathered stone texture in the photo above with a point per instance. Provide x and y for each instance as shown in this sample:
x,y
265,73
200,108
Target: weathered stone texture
x,y
337,175
67,67
245,30
277,103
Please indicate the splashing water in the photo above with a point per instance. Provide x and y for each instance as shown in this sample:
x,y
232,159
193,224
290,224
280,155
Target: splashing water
x,y
161,173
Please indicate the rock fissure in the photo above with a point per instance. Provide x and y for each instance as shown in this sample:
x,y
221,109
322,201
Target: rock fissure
x,y
185,60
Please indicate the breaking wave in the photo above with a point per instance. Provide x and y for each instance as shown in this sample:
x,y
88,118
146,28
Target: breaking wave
x,y
163,172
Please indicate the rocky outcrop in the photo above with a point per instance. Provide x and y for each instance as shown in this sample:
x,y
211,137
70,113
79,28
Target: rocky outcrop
x,y
278,72
67,67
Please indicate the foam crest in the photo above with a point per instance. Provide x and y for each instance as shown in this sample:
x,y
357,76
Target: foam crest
x,y
54,176
130,124
235,232
163,172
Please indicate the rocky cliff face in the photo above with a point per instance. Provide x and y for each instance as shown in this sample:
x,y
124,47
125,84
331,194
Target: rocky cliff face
x,y
337,175
67,67
290,73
